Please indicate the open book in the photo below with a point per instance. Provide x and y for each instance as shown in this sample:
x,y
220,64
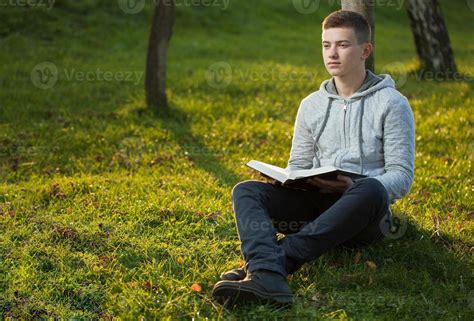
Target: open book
x,y
297,177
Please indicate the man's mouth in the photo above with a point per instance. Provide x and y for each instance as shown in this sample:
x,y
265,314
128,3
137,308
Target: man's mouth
x,y
334,65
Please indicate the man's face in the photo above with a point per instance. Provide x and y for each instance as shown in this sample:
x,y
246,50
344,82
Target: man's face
x,y
341,52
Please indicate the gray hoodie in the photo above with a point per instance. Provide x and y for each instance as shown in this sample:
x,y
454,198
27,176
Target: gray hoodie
x,y
372,132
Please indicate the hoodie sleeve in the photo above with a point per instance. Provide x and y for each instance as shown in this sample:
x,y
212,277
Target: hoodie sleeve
x,y
302,146
399,148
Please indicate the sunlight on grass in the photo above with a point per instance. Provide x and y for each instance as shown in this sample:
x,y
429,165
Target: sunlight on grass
x,y
110,211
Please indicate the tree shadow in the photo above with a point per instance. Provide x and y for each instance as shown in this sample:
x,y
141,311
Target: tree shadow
x,y
179,124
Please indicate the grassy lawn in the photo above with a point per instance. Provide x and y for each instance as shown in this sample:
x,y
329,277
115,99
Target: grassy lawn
x,y
110,211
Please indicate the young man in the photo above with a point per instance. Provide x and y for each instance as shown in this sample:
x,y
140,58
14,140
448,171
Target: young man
x,y
357,121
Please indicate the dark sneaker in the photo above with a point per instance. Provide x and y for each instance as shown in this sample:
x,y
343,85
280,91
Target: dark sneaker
x,y
234,275
261,286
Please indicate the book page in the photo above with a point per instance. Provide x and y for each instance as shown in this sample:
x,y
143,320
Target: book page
x,y
300,173
278,173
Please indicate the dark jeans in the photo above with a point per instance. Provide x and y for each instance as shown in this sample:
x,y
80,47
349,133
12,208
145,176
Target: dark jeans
x,y
313,222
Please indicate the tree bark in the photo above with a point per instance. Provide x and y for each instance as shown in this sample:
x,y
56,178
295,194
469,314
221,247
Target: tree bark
x,y
160,35
365,8
431,39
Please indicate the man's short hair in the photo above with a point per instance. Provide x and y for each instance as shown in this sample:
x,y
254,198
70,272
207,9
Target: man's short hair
x,y
349,19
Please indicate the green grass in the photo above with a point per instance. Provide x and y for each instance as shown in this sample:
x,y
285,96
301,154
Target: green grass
x,y
110,211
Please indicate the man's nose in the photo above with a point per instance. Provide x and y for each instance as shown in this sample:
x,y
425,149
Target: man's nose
x,y
333,52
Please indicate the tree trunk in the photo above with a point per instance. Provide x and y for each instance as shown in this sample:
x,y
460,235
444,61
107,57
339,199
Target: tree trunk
x,y
160,34
431,39
365,8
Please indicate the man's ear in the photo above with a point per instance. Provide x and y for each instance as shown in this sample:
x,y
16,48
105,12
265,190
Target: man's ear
x,y
368,48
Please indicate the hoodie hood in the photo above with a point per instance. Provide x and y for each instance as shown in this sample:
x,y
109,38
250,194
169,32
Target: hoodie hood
x,y
372,83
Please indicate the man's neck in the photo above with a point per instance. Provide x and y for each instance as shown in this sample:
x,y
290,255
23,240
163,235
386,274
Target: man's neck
x,y
346,86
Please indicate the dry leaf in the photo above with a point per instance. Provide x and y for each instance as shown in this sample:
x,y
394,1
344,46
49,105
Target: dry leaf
x,y
357,257
200,214
459,227
470,216
148,285
106,316
157,160
214,216
435,221
371,265
196,287
316,297
56,191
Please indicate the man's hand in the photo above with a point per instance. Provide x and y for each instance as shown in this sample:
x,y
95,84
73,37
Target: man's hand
x,y
337,186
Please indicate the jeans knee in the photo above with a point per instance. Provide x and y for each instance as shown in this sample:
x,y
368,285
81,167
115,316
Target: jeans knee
x,y
374,190
246,188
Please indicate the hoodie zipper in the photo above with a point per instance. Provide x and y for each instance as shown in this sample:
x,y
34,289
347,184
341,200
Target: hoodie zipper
x,y
344,123
344,131
338,160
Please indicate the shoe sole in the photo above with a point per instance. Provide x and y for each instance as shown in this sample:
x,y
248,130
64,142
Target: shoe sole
x,y
233,294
